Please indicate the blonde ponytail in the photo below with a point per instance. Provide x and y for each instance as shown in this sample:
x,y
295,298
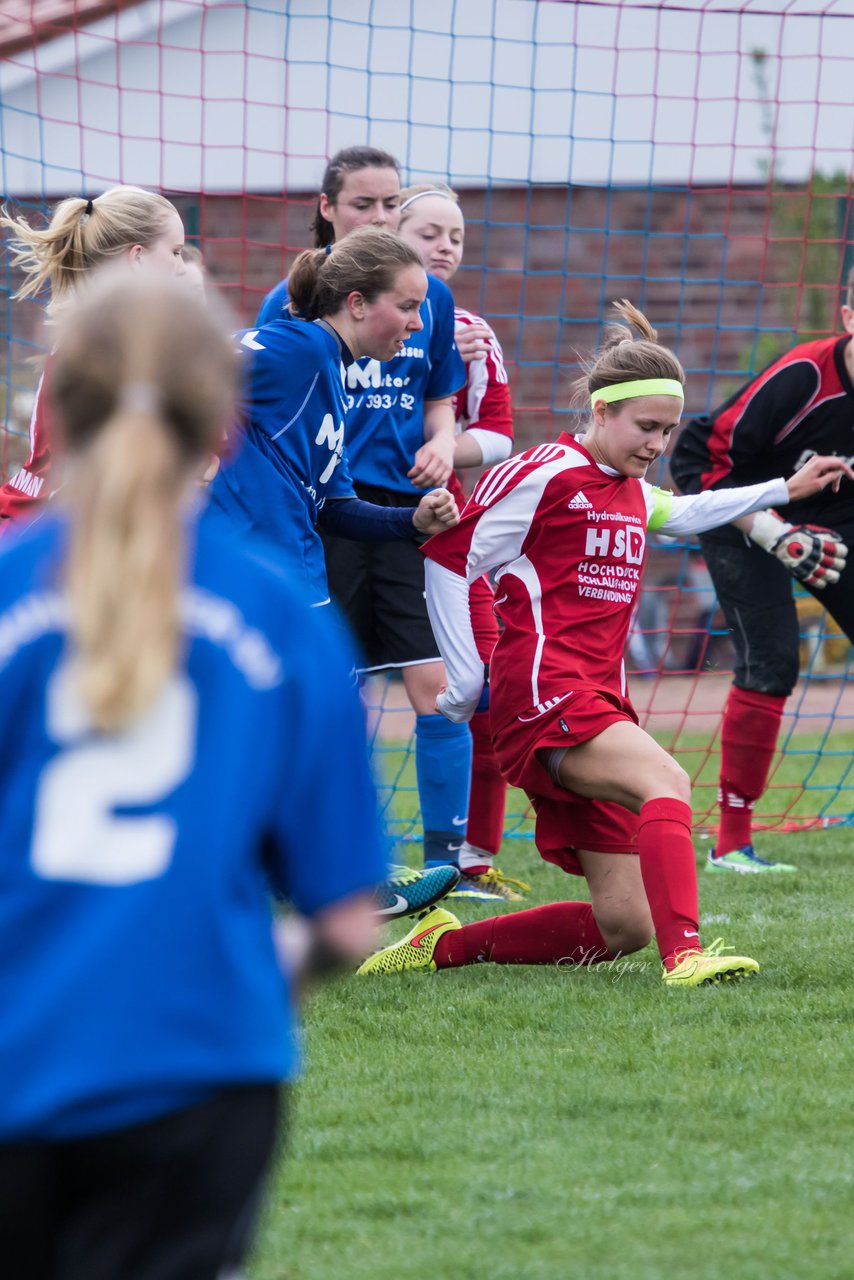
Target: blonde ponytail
x,y
81,235
125,566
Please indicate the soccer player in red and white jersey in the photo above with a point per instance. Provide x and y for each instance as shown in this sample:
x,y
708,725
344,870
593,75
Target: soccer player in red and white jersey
x,y
432,221
563,527
123,224
800,405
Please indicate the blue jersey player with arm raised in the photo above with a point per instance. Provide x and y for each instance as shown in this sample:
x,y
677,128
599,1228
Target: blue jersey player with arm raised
x,y
167,701
400,441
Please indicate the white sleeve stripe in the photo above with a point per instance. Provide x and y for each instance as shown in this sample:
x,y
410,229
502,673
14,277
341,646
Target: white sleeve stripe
x,y
34,414
546,452
447,596
649,499
495,353
490,487
496,480
696,512
478,385
299,410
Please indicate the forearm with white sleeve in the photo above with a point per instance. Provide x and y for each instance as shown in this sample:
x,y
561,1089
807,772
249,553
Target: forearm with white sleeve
x,y
695,513
448,606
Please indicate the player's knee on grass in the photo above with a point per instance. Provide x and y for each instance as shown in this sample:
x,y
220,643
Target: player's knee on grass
x,y
619,900
626,927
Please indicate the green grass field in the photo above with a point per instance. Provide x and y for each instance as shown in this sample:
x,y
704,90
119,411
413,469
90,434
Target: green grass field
x,y
533,1124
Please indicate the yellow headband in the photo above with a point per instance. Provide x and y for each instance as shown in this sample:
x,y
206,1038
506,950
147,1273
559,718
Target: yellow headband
x,y
644,387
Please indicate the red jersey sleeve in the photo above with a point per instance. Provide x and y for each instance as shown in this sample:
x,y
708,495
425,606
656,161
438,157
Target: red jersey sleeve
x,y
484,402
451,547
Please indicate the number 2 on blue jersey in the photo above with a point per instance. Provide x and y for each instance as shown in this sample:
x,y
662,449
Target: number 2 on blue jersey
x,y
77,835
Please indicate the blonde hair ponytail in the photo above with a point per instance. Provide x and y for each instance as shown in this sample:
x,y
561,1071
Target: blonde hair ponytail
x,y
143,383
82,234
125,566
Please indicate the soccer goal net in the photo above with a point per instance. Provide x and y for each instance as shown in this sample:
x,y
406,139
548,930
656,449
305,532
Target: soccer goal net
x,y
694,157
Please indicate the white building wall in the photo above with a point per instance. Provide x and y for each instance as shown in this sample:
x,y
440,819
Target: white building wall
x,y
226,96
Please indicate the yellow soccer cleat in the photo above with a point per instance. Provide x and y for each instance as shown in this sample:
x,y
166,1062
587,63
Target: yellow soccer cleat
x,y
697,968
415,951
489,885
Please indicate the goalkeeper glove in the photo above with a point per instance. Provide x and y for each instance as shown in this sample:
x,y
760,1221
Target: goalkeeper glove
x,y
813,555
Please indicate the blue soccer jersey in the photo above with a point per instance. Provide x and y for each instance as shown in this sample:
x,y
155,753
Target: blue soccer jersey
x,y
385,419
291,457
136,949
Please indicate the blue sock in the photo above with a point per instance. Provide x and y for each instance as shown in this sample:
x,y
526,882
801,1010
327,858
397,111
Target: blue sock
x,y
443,767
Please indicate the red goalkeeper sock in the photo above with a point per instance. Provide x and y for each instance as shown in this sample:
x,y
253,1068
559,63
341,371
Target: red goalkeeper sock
x,y
560,933
751,725
669,874
488,789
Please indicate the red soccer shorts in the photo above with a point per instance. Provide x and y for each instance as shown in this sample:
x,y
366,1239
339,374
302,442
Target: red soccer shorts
x,y
567,822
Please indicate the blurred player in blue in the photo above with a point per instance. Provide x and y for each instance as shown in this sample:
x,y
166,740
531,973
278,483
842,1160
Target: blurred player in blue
x,y
401,440
361,299
167,704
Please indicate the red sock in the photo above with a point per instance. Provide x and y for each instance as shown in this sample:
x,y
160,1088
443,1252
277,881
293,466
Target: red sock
x,y
669,874
488,789
560,933
751,725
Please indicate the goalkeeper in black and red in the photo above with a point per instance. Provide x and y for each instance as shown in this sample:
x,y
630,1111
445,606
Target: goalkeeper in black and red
x,y
800,405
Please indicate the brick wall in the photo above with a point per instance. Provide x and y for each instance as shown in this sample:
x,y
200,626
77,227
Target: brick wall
x,y
542,263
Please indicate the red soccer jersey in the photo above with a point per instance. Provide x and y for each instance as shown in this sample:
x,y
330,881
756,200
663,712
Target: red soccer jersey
x,y
567,542
21,495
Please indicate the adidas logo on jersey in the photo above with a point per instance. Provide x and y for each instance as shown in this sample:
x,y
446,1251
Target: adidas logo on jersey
x,y
579,503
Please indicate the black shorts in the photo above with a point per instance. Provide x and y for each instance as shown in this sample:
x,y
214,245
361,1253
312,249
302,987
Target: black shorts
x,y
755,593
172,1199
380,587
